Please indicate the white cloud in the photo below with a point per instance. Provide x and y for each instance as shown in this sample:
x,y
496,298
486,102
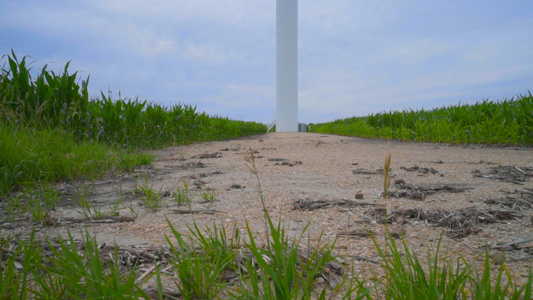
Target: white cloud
x,y
204,53
241,96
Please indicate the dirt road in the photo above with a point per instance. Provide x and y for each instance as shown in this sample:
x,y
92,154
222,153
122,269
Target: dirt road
x,y
477,196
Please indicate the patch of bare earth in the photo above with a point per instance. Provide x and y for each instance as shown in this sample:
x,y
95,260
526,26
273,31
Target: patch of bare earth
x,y
477,197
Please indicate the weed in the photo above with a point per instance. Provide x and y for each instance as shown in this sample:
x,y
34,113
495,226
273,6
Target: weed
x,y
57,156
90,209
406,278
50,197
183,195
151,198
207,196
38,212
15,206
16,266
200,271
250,164
133,211
386,176
73,272
484,286
282,271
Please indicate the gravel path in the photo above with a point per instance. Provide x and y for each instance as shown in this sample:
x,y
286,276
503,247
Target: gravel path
x,y
458,191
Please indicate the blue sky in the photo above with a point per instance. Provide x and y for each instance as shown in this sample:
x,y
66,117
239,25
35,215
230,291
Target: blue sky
x,y
355,57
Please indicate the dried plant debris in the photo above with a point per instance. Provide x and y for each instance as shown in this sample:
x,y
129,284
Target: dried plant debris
x,y
202,175
361,233
460,222
480,162
516,245
278,159
422,191
289,163
512,174
285,162
519,199
423,171
237,186
308,204
199,183
126,256
362,171
522,249
192,165
141,171
208,155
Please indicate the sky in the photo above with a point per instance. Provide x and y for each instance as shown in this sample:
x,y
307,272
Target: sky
x,y
355,57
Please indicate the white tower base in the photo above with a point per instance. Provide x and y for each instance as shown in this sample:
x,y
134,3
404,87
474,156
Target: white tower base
x,y
287,65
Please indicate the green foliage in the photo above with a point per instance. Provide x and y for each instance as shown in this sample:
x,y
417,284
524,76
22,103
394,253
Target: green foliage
x,y
74,273
406,278
281,272
57,101
16,267
71,129
51,100
150,197
37,202
183,195
200,272
208,196
29,156
486,122
68,272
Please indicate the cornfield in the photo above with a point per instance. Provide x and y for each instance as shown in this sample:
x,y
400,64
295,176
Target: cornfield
x,y
508,121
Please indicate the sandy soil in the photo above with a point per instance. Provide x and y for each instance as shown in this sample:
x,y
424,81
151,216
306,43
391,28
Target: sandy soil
x,y
317,167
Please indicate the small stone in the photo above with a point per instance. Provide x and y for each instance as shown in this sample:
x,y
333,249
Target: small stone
x,y
359,196
11,225
399,181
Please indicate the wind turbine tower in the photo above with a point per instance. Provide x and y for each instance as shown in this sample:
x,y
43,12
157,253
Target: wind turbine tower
x,y
287,65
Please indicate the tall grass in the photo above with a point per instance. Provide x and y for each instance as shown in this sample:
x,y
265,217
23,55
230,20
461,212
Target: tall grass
x,y
29,157
508,121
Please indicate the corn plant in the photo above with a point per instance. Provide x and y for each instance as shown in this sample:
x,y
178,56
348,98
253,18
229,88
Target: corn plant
x,y
56,109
